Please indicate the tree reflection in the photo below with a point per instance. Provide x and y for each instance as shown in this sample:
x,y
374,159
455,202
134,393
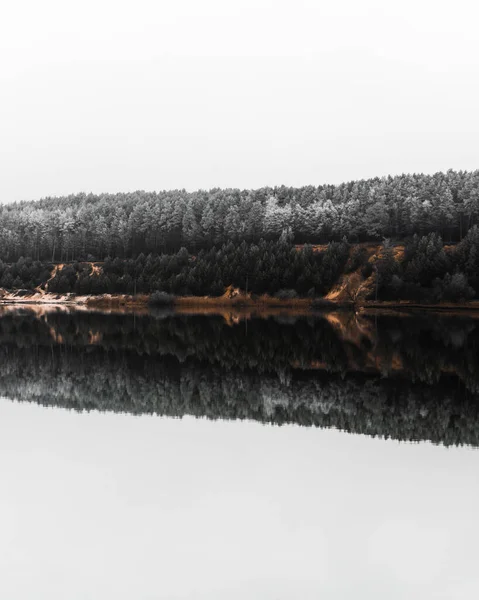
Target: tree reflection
x,y
409,378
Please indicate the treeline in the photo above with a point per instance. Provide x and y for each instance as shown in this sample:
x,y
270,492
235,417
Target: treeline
x,y
91,227
25,273
168,366
431,272
427,271
424,270
269,267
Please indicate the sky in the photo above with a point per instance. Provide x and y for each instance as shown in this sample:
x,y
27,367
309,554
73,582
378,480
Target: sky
x,y
118,507
113,95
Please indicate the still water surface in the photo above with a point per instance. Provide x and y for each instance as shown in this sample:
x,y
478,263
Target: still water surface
x,y
124,503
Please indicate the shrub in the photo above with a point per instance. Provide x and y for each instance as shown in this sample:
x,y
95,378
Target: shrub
x,y
286,294
454,289
161,299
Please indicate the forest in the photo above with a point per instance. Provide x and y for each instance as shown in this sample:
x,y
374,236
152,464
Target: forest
x,y
428,271
91,227
286,242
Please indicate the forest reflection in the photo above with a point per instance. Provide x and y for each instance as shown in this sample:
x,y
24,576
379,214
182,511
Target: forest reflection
x,y
408,377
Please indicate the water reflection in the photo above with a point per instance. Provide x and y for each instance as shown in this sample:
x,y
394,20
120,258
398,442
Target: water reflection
x,y
410,377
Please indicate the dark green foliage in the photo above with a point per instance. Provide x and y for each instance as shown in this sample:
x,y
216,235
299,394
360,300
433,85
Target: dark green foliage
x,y
426,259
453,288
24,274
428,274
359,258
467,258
286,294
161,299
264,268
64,281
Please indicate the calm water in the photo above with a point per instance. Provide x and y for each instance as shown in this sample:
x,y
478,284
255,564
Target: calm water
x,y
110,500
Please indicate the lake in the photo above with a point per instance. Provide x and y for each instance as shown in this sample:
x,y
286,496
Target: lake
x,y
329,455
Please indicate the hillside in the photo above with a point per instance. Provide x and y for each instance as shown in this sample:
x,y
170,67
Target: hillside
x,y
422,270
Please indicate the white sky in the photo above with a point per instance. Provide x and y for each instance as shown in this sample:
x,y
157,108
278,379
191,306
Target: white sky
x,y
109,95
115,507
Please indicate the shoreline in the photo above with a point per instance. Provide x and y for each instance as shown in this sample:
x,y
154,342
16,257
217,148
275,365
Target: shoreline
x,y
210,305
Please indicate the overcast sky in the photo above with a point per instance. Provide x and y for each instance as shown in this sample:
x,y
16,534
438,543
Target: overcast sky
x,y
108,95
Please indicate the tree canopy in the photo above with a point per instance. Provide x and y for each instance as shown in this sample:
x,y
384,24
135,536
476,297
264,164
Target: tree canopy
x,y
80,226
